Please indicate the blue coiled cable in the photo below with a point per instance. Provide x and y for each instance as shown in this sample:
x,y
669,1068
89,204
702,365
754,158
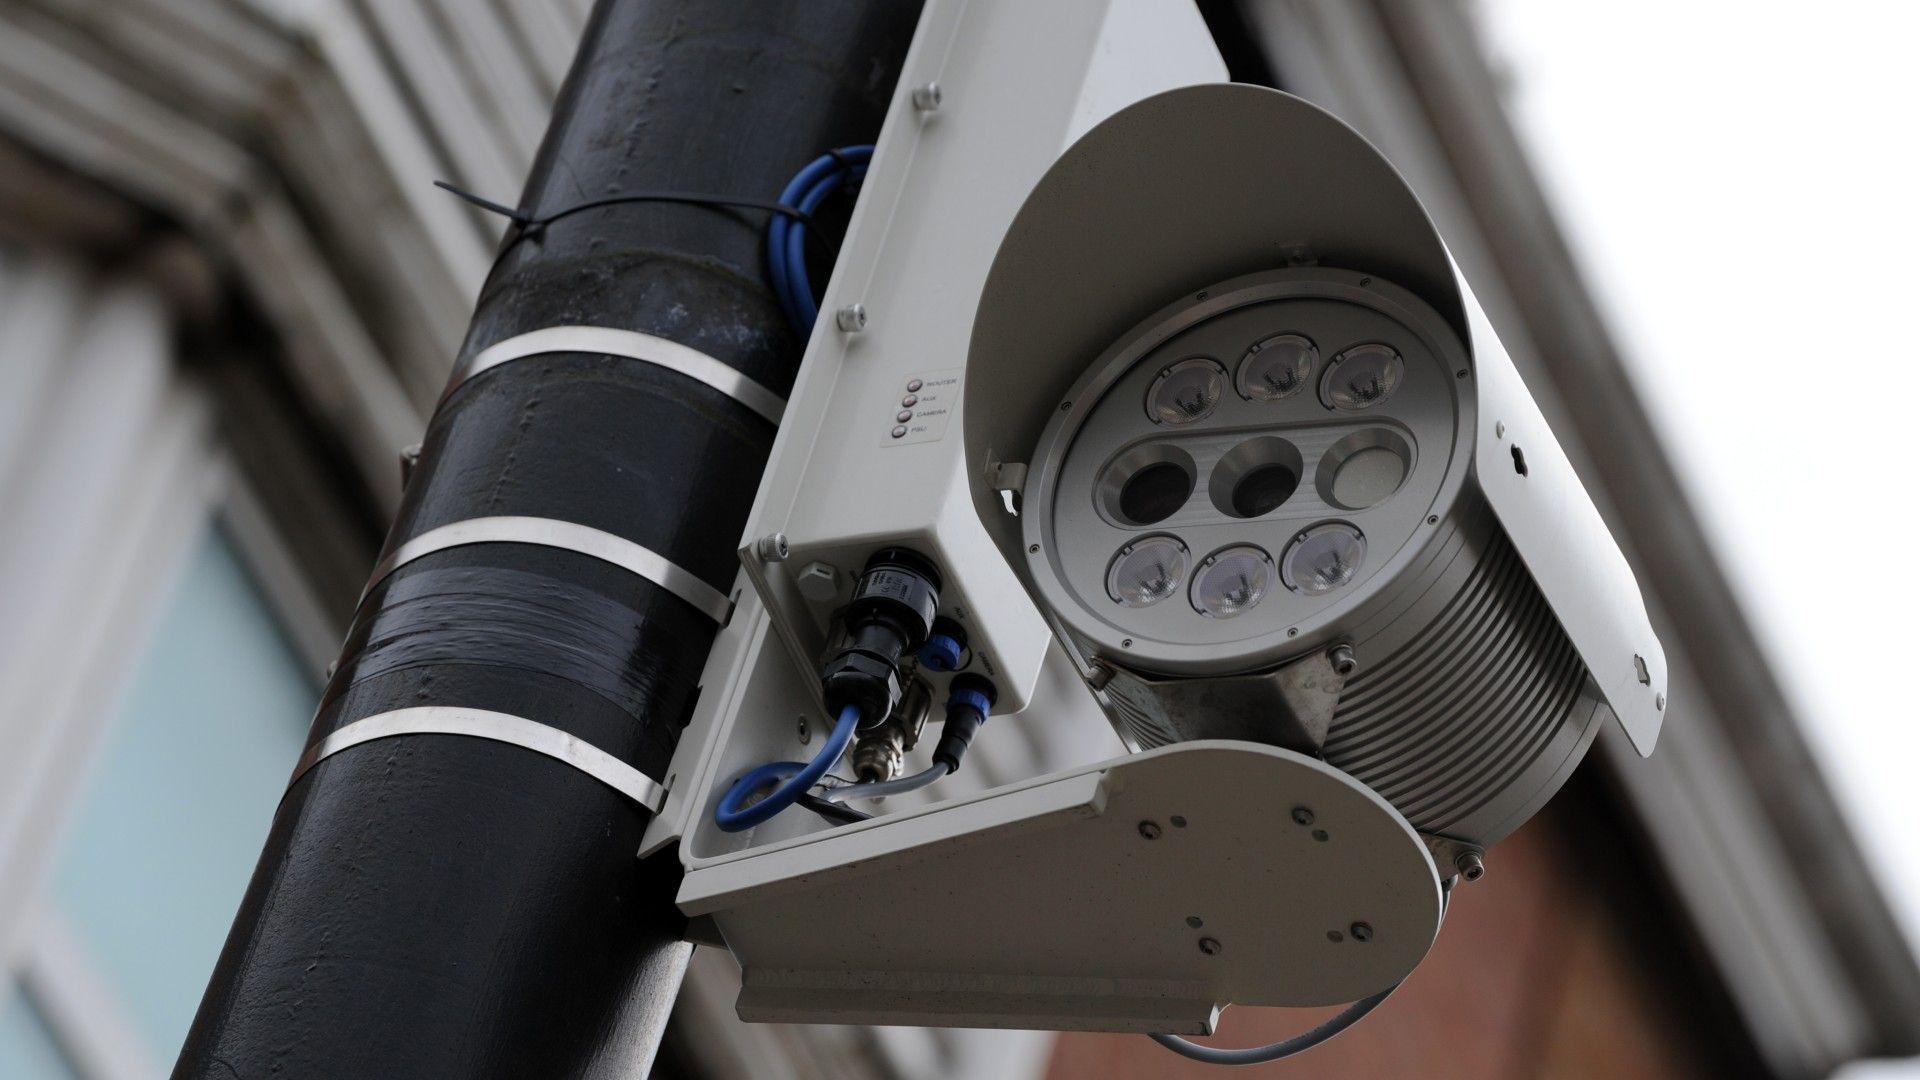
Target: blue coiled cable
x,y
797,779
786,235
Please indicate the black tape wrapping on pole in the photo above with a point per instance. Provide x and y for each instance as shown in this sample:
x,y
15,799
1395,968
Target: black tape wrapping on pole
x,y
432,906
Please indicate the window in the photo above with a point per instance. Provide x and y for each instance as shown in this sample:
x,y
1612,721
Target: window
x,y
161,844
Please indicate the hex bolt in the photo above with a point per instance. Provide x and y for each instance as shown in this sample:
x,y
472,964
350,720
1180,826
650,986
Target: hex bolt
x,y
772,547
1209,946
1302,816
1150,830
818,582
852,318
1470,864
1361,931
927,97
1343,659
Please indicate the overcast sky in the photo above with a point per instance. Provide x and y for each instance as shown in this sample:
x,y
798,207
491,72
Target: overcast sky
x,y
1740,181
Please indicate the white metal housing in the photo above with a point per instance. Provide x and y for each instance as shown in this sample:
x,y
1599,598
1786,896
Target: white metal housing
x,y
1019,83
1226,180
1023,862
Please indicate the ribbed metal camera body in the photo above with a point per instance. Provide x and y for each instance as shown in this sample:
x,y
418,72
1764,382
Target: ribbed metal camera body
x,y
1453,692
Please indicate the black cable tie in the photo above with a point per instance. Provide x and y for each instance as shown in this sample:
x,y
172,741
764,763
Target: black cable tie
x,y
488,205
852,168
697,198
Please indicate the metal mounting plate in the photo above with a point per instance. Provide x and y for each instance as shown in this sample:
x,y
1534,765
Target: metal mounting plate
x,y
1048,905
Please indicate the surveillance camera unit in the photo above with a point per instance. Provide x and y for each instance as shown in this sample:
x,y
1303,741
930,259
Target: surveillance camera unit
x,y
1304,498
1172,418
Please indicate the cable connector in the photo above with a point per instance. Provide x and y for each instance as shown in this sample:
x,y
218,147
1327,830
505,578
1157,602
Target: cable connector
x,y
889,617
970,698
946,645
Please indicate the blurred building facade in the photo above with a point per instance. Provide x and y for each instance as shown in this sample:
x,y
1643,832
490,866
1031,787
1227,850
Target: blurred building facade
x,y
229,294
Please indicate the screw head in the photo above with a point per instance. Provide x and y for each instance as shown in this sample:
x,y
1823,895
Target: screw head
x,y
1336,936
1361,931
1470,865
1194,921
805,732
1209,946
1302,816
1321,835
772,548
1033,549
1659,702
927,97
852,318
1177,821
1150,830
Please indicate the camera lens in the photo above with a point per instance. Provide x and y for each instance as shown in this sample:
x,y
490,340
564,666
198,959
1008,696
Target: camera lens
x,y
1186,391
1147,571
1362,377
1323,558
1275,367
1231,581
1154,493
1367,476
1262,489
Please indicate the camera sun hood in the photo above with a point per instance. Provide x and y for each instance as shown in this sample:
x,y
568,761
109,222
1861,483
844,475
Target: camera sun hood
x,y
1205,183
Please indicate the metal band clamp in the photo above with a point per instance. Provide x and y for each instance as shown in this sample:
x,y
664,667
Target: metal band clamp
x,y
634,346
500,727
550,532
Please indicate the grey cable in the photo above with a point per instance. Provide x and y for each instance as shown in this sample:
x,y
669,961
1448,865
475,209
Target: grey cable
x,y
1260,1055
886,787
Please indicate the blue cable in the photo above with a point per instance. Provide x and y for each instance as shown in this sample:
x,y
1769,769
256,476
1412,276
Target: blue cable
x,y
786,250
732,817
